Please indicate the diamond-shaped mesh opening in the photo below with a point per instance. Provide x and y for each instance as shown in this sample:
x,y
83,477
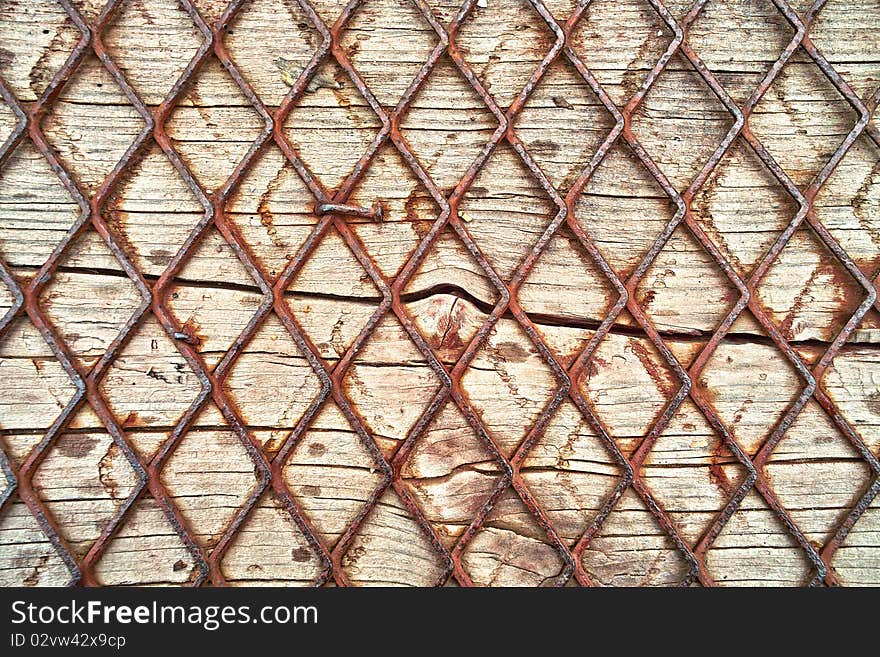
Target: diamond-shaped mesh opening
x,y
347,125
448,323
371,561
562,124
332,309
90,8
807,290
213,126
623,193
272,210
386,363
209,476
560,9
209,9
663,291
503,44
146,534
800,131
149,385
84,479
756,549
813,450
506,213
849,203
757,33
92,101
32,195
328,10
509,384
628,384
447,142
730,379
271,65
152,45
562,264
742,225
681,122
451,473
295,385
330,496
213,297
571,472
511,549
691,472
621,60
89,310
388,41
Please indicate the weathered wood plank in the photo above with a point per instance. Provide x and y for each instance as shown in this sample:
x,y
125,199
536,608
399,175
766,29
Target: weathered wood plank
x,y
817,475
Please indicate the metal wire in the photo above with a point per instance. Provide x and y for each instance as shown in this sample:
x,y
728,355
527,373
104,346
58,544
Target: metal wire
x,y
332,210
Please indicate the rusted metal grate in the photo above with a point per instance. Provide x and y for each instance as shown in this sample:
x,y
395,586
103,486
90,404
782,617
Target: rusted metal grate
x,y
333,210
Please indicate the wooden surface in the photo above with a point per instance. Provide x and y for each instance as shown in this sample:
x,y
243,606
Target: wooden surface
x,y
817,474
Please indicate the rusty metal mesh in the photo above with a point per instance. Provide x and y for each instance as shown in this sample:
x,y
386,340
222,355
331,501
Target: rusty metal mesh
x,y
333,211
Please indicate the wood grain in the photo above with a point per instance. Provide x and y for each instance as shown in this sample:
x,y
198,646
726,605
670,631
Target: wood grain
x,y
84,479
